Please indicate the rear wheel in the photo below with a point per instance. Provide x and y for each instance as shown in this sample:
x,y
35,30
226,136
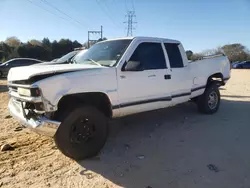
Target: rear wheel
x,y
209,102
82,133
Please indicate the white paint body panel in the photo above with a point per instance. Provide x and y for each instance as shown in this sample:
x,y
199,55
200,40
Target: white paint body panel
x,y
141,85
202,69
126,87
24,73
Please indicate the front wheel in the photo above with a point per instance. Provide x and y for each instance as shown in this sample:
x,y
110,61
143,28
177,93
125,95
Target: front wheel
x,y
82,133
209,101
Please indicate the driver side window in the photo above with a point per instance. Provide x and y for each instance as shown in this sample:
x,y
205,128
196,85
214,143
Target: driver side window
x,y
150,55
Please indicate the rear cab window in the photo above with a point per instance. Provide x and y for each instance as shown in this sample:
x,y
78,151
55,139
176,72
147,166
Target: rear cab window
x,y
174,55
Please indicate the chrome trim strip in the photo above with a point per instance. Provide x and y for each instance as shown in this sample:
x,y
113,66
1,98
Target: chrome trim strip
x,y
23,86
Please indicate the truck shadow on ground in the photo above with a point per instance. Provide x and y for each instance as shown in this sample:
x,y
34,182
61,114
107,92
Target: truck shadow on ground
x,y
173,147
236,96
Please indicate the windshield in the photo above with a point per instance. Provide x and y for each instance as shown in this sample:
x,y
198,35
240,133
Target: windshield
x,y
67,56
104,53
2,64
6,62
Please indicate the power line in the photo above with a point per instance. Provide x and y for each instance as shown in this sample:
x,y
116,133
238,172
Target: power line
x,y
73,7
130,6
112,20
50,12
46,2
131,15
95,32
126,4
133,5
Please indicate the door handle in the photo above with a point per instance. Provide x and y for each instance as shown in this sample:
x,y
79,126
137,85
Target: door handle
x,y
167,77
153,75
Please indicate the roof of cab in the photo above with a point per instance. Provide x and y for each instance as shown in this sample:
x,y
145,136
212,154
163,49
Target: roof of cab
x,y
142,37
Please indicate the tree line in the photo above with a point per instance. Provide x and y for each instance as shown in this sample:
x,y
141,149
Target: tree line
x,y
234,52
46,50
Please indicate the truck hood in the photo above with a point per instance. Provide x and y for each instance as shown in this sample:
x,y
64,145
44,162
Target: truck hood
x,y
53,63
24,73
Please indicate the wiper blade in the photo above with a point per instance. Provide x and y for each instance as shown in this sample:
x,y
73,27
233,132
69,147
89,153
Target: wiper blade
x,y
94,62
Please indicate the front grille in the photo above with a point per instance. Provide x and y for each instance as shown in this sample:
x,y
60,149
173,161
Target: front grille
x,y
21,82
34,106
13,88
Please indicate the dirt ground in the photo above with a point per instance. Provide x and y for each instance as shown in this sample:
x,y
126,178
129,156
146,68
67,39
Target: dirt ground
x,y
174,148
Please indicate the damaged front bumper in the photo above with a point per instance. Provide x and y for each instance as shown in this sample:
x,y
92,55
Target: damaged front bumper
x,y
38,123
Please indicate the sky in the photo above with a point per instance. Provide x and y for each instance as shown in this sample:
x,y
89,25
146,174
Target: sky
x,y
198,24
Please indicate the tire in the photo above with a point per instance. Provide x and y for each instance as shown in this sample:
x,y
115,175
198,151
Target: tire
x,y
1,74
83,133
209,101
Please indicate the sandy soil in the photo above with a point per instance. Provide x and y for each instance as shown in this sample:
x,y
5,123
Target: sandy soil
x,y
175,147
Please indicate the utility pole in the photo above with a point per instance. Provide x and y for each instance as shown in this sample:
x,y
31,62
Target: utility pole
x,y
101,31
94,32
130,15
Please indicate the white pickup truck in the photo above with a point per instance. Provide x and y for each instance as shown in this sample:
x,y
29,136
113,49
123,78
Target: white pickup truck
x,y
114,78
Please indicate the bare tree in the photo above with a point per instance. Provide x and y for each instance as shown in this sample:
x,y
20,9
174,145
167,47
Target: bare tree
x,y
235,52
215,51
13,41
35,42
196,56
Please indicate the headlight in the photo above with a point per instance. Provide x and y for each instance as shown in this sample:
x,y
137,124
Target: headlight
x,y
32,92
24,91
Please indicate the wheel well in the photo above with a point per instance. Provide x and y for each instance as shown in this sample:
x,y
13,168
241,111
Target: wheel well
x,y
97,99
215,78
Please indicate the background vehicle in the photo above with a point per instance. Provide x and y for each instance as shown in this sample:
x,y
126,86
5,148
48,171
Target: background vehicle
x,y
112,79
17,62
54,60
242,65
234,63
64,59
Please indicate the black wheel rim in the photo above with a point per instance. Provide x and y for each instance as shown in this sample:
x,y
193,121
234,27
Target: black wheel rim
x,y
82,131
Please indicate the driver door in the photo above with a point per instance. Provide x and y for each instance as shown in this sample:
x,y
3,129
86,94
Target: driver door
x,y
146,88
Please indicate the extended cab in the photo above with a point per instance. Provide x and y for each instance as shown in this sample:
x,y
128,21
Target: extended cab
x,y
114,78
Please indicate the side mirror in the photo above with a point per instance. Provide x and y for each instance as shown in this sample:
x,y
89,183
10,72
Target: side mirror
x,y
133,66
68,61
